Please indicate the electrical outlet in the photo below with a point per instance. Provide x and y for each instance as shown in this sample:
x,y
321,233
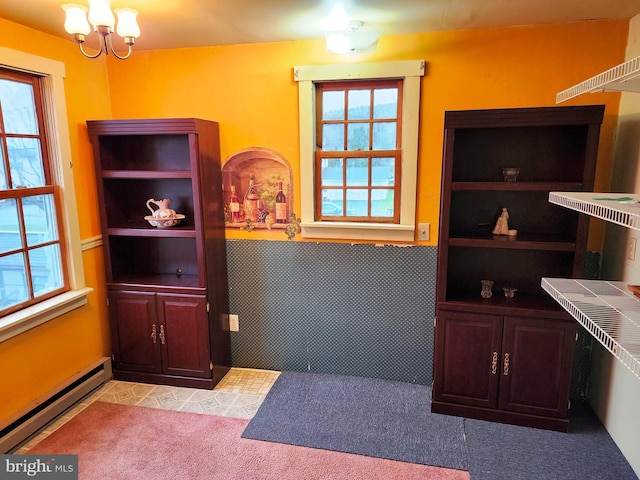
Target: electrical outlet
x,y
234,325
631,249
423,231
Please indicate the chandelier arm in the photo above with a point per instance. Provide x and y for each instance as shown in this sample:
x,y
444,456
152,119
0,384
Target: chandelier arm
x,y
96,55
115,54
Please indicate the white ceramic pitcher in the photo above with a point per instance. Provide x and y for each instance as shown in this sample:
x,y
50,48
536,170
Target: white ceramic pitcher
x,y
162,210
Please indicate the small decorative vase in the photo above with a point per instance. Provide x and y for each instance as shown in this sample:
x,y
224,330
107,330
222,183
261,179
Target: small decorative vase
x,y
486,288
509,292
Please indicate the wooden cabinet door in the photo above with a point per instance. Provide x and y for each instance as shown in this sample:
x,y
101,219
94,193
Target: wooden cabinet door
x,y
184,335
536,366
467,358
134,331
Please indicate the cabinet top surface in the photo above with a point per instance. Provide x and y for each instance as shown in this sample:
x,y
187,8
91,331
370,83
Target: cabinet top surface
x,y
147,126
531,116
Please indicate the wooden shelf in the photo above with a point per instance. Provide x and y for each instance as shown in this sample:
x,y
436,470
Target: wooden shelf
x,y
146,174
515,186
521,304
174,232
605,309
152,282
518,242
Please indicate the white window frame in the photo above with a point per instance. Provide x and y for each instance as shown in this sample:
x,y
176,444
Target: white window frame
x,y
62,173
411,72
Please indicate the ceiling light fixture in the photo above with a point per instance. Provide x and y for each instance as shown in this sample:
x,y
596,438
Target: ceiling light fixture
x,y
353,39
103,21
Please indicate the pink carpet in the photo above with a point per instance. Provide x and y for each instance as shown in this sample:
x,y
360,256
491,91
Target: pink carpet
x,y
120,442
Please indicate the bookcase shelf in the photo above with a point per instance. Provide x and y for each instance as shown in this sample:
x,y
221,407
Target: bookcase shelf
x,y
167,289
529,336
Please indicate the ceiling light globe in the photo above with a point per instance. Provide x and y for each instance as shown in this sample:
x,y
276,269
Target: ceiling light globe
x,y
76,20
127,25
100,14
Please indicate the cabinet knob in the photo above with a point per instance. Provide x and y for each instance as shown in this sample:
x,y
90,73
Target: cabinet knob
x,y
505,365
494,363
153,333
162,334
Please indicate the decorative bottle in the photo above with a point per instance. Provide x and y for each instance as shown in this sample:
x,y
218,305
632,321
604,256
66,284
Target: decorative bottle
x,y
281,205
234,205
251,201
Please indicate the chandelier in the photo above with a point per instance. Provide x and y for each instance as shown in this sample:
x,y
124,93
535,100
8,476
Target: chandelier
x,y
103,21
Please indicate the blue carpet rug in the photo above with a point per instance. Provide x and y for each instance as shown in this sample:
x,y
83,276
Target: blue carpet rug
x,y
508,452
378,418
393,420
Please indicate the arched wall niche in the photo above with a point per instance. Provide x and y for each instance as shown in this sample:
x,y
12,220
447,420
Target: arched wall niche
x,y
266,168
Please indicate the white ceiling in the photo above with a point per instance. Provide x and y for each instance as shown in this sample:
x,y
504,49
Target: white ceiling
x,y
187,23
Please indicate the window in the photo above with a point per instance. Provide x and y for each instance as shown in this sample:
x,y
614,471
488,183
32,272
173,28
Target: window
x,y
357,161
41,270
32,266
359,149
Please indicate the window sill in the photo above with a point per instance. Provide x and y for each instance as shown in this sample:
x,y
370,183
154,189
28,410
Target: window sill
x,y
25,319
359,231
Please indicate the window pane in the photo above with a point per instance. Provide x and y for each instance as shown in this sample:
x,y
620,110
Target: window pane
x,y
13,280
357,171
385,103
333,105
382,203
40,219
18,107
384,136
45,269
359,104
25,162
3,173
358,136
333,138
357,202
9,226
331,174
382,171
332,203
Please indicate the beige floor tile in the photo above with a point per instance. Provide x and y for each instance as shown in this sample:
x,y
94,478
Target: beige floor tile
x,y
239,394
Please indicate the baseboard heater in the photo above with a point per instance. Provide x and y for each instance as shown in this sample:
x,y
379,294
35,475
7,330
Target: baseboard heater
x,y
53,403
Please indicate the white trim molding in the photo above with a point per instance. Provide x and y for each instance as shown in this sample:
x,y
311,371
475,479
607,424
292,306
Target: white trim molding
x,y
411,72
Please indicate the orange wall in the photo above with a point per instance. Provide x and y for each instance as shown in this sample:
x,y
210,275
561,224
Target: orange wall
x,y
250,89
43,357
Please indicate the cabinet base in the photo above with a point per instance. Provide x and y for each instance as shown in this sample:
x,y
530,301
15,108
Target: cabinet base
x,y
501,416
176,381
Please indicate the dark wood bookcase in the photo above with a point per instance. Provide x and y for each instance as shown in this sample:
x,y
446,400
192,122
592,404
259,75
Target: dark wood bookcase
x,y
509,359
167,287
